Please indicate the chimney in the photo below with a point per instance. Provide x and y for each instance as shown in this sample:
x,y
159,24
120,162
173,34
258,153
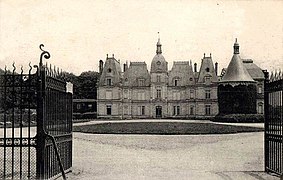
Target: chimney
x,y
216,68
195,67
100,66
125,67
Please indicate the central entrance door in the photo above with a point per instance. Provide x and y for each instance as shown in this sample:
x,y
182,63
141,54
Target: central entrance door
x,y
158,111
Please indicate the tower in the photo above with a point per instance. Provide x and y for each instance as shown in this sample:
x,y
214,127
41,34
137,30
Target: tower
x,y
237,90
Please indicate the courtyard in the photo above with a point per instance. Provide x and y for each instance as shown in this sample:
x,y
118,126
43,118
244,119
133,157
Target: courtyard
x,y
132,156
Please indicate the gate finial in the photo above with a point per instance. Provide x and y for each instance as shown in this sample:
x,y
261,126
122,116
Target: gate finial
x,y
44,54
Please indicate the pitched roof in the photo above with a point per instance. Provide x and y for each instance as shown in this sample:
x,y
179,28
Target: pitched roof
x,y
253,69
183,71
136,71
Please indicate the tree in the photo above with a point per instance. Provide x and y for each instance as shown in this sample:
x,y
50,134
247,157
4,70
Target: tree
x,y
87,85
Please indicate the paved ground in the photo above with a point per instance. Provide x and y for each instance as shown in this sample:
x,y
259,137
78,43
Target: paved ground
x,y
232,156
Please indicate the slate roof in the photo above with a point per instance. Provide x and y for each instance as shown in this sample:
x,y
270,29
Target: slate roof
x,y
183,71
136,71
253,69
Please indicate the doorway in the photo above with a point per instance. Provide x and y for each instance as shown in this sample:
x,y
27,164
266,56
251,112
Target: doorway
x,y
158,111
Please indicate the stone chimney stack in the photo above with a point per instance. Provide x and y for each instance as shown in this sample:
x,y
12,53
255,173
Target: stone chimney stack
x,y
100,66
216,69
195,67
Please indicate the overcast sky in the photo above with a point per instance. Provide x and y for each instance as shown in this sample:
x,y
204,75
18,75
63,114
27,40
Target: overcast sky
x,y
78,33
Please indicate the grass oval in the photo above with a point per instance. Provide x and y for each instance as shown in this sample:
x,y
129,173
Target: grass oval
x,y
163,128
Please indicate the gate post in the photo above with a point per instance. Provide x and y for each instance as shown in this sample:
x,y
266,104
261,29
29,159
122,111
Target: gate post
x,y
41,134
266,113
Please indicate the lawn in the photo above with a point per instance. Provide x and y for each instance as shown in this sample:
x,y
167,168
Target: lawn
x,y
166,128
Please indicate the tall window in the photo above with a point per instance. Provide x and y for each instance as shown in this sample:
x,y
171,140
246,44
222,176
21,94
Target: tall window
x,y
207,94
176,95
176,110
109,82
141,95
142,110
192,110
158,78
207,109
260,108
126,110
158,93
259,89
125,94
141,82
192,94
108,94
108,109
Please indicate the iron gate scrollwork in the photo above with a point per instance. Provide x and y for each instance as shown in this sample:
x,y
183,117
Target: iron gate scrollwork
x,y
35,123
274,123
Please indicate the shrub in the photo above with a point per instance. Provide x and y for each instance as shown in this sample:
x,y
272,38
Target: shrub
x,y
239,118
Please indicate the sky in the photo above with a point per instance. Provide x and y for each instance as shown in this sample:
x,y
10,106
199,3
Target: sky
x,y
80,33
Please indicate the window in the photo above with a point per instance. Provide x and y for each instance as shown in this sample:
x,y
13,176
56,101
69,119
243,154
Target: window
x,y
207,109
259,89
207,94
125,94
109,70
126,110
207,69
141,95
260,108
142,110
108,109
109,82
176,82
192,94
192,110
79,106
141,82
176,95
158,93
158,78
207,80
176,110
108,94
191,79
89,105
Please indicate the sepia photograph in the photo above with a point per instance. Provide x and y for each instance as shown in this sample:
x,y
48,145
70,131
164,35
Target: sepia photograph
x,y
141,90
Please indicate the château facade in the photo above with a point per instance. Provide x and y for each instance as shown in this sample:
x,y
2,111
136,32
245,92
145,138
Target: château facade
x,y
135,92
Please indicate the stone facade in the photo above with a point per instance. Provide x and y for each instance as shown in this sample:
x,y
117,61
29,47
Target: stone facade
x,y
138,93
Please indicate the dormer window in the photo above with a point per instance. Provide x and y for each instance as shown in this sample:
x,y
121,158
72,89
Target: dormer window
x,y
191,79
109,70
207,79
176,82
109,82
141,82
158,78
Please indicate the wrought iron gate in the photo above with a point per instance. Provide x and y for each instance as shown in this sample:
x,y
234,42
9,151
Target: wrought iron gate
x,y
35,123
274,123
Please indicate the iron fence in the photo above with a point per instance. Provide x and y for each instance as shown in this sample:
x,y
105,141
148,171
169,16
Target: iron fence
x,y
274,123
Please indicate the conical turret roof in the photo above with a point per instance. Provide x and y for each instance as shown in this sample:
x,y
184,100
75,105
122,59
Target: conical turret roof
x,y
236,72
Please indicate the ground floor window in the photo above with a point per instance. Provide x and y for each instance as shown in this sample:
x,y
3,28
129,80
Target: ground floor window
x,y
108,109
192,110
142,110
207,109
126,110
176,110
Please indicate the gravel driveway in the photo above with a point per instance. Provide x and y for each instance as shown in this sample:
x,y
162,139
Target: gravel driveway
x,y
229,156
